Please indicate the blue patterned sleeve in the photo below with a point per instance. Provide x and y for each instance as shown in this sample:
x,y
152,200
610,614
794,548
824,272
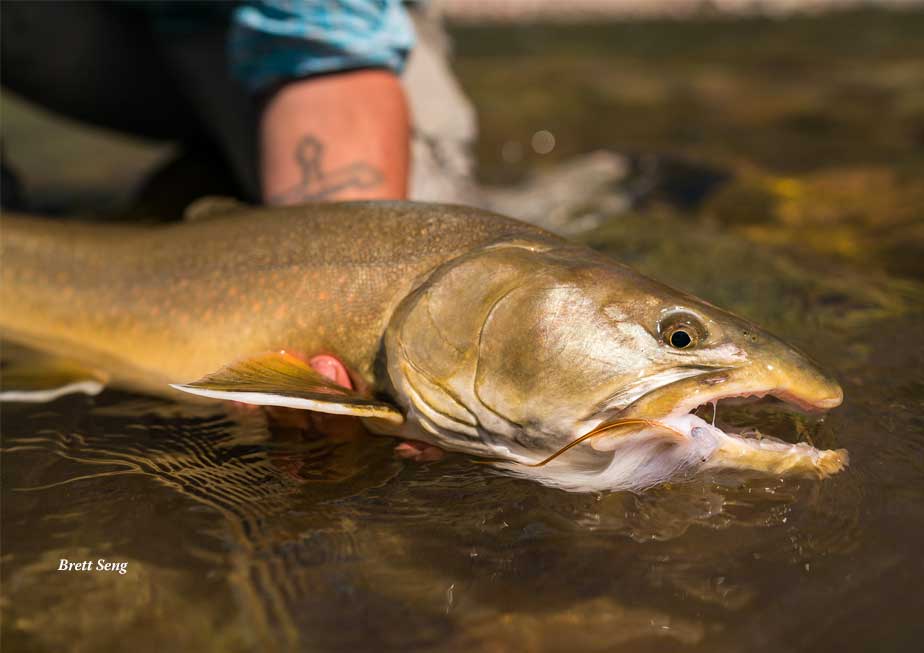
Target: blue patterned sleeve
x,y
274,40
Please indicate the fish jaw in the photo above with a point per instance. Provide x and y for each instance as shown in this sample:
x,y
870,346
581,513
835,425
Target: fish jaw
x,y
672,448
775,370
721,450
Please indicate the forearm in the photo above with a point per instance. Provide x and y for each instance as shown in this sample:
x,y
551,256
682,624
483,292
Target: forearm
x,y
338,137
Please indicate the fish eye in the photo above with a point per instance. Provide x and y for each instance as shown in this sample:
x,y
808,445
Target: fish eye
x,y
681,330
680,339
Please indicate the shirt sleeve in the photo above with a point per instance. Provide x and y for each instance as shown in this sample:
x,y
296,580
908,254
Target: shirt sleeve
x,y
274,40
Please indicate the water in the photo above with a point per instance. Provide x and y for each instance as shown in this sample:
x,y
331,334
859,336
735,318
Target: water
x,y
241,535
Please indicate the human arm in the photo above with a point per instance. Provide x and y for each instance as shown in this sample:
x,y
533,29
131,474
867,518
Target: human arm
x,y
342,136
333,123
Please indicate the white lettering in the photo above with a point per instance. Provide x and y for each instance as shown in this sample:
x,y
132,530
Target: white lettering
x,y
87,565
102,565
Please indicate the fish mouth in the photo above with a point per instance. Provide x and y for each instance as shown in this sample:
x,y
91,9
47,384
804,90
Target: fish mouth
x,y
659,438
707,446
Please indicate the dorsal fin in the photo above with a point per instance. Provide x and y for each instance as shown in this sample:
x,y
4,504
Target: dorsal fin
x,y
212,206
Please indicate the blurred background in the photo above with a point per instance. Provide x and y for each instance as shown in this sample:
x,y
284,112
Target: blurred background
x,y
779,120
791,122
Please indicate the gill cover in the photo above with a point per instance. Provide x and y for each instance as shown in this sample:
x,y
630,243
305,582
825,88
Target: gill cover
x,y
499,351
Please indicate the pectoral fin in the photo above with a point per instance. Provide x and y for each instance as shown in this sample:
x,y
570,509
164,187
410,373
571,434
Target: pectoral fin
x,y
42,379
280,379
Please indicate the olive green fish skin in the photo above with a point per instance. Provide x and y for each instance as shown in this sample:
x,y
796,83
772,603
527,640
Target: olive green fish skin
x,y
167,304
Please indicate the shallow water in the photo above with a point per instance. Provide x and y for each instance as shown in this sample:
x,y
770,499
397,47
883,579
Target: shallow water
x,y
242,536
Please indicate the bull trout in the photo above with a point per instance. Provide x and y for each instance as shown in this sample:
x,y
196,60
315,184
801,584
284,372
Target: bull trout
x,y
461,328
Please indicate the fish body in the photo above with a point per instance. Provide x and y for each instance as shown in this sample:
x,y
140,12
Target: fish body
x,y
158,304
468,330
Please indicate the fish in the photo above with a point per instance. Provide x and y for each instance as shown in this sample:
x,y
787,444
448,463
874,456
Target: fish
x,y
461,328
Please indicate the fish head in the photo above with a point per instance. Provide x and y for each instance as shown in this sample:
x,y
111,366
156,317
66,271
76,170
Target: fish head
x,y
520,348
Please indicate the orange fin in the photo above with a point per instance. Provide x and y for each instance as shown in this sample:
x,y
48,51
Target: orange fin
x,y
280,379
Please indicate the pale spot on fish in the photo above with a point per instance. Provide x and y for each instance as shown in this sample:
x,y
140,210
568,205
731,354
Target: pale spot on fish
x,y
730,352
614,312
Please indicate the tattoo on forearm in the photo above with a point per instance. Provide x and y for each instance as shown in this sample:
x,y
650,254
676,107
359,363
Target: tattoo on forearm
x,y
317,183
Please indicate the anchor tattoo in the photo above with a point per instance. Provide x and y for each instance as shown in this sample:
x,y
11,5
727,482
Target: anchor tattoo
x,y
318,184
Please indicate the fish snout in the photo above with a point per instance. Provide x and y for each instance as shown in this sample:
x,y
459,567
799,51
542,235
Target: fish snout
x,y
813,394
833,398
801,381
